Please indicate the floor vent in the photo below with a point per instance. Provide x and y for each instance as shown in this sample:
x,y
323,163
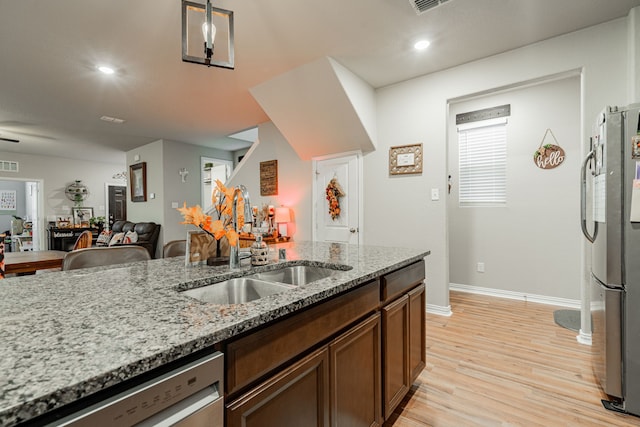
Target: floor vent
x,y
7,166
421,6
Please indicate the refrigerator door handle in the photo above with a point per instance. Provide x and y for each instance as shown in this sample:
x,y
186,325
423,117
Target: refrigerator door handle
x,y
583,200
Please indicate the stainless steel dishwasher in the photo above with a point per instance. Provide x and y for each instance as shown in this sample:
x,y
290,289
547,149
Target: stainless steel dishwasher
x,y
188,396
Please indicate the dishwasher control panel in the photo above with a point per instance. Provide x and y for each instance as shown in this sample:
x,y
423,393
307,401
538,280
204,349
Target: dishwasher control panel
x,y
185,389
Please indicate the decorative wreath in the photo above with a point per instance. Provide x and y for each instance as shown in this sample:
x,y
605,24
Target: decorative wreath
x,y
334,192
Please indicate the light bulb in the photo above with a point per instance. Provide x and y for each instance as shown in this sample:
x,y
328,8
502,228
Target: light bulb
x,y
205,30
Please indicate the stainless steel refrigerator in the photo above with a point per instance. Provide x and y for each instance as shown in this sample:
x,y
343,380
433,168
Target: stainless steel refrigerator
x,y
611,222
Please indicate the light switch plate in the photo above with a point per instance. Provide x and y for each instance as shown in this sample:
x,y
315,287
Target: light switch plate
x,y
435,194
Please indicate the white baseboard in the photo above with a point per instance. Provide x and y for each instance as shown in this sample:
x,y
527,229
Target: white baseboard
x,y
542,299
440,310
584,338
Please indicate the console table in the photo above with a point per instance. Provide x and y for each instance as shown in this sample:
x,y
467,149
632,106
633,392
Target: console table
x,y
63,239
246,240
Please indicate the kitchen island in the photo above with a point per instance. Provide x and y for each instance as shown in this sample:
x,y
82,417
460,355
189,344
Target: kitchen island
x,y
67,335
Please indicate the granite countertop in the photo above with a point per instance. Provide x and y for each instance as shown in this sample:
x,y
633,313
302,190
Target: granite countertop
x,y
65,335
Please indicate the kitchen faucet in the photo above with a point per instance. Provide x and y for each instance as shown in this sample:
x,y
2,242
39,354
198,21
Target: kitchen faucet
x,y
234,250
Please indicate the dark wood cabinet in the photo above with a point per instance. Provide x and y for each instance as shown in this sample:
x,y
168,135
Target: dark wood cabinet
x,y
251,357
417,332
296,396
403,345
347,361
395,348
338,384
356,376
403,336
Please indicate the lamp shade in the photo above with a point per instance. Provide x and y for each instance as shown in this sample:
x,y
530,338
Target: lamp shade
x,y
283,215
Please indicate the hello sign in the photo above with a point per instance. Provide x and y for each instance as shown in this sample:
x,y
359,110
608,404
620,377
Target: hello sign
x,y
548,156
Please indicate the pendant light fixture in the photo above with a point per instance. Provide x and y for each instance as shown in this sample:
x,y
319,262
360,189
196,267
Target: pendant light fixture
x,y
211,27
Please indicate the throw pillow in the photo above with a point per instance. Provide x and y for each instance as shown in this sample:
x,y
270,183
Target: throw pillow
x,y
130,237
116,239
103,238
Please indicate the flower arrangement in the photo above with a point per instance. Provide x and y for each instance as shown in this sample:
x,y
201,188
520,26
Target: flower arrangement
x,y
333,193
222,200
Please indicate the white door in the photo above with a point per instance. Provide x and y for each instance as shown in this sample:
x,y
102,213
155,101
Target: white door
x,y
345,226
32,194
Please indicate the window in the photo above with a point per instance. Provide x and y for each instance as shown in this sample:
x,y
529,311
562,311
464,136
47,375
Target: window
x,y
483,163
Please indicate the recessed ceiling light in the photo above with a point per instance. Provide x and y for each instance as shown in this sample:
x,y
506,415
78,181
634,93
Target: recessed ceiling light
x,y
106,69
422,44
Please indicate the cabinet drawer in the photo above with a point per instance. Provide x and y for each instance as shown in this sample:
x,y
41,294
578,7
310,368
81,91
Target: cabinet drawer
x,y
252,356
397,282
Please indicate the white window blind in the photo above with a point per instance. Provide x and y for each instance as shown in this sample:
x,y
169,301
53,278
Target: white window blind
x,y
483,163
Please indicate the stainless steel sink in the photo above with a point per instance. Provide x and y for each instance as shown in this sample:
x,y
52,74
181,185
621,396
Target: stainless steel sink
x,y
236,291
297,275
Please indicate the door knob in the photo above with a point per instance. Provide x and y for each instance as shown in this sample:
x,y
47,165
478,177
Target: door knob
x,y
353,230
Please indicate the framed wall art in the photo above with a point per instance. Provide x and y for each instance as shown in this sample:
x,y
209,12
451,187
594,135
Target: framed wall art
x,y
81,216
138,182
405,159
8,200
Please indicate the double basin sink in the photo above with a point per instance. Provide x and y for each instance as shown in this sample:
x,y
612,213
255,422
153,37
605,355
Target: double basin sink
x,y
259,285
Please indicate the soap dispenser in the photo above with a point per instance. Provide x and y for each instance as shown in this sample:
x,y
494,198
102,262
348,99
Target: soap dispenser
x,y
259,252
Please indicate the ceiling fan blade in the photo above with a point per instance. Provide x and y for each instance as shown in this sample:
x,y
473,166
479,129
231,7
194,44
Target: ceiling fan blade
x,y
9,140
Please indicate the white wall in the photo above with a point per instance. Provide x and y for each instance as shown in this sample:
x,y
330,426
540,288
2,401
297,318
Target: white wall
x,y
398,210
58,172
294,178
164,160
179,155
153,209
532,245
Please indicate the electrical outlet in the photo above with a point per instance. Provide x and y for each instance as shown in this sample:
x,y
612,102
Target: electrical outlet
x,y
480,267
174,205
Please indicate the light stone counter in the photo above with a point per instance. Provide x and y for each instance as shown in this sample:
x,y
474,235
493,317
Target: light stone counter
x,y
65,335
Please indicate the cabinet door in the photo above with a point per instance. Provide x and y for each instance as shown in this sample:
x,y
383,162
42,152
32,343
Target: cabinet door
x,y
395,350
417,344
355,376
297,396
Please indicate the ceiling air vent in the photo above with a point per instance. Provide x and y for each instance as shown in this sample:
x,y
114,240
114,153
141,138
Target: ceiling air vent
x,y
421,6
8,166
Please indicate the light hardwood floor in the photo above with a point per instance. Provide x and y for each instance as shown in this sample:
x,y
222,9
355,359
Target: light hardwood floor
x,y
500,362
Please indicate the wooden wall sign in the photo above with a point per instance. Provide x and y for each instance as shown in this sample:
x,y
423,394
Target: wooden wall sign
x,y
405,159
269,178
548,156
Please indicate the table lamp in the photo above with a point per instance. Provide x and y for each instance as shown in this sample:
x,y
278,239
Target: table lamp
x,y
282,217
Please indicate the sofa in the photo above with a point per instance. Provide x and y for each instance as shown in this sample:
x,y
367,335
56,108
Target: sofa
x,y
144,234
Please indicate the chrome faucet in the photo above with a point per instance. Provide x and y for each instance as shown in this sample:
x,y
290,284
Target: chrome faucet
x,y
234,251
